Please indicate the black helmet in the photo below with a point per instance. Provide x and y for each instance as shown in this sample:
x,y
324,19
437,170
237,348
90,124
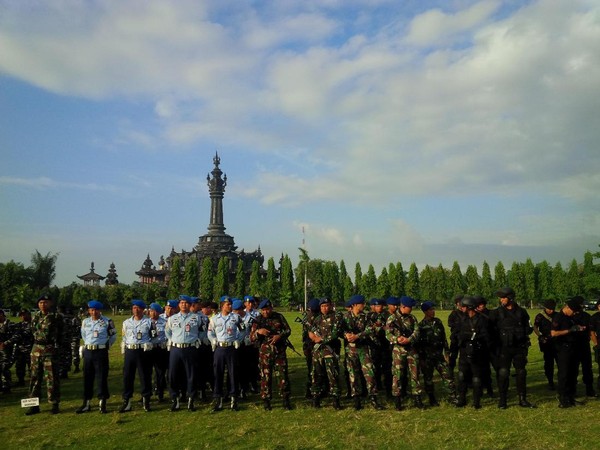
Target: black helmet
x,y
469,302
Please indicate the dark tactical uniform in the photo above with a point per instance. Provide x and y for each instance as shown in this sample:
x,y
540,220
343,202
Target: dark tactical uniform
x,y
473,345
405,358
272,356
595,332
22,348
433,353
381,351
566,356
583,350
325,358
47,335
454,319
358,353
7,339
513,328
542,325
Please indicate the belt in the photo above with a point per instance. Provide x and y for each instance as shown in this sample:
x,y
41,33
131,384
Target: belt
x,y
41,343
161,345
95,347
134,346
181,345
224,344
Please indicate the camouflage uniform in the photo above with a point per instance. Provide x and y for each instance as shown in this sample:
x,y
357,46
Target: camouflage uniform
x,y
325,360
65,351
381,351
433,352
358,355
272,357
7,337
47,335
22,350
405,358
307,347
75,340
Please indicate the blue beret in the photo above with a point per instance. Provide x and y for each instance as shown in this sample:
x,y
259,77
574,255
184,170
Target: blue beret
x,y
377,301
44,297
313,304
347,304
249,298
266,303
95,304
324,300
237,304
407,301
185,298
156,307
426,306
225,298
394,301
356,300
138,303
194,299
173,303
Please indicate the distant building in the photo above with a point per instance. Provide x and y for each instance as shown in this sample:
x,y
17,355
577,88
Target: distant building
x,y
91,278
215,244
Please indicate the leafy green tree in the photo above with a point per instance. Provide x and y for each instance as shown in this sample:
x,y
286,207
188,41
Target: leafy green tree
x,y
206,280
271,282
357,278
43,270
500,279
175,279
15,290
240,281
516,280
573,281
442,290
544,284
399,283
591,275
426,283
383,284
342,279
472,280
333,272
457,282
221,285
255,280
487,284
368,284
412,282
530,282
191,277
348,288
559,283
287,282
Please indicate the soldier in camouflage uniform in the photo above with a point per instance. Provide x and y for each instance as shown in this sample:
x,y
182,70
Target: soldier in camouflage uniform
x,y
271,331
403,333
75,340
47,330
381,351
7,338
22,348
65,351
324,329
307,343
433,353
358,332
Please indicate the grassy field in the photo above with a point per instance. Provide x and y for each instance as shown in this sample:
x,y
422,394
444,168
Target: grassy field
x,y
304,427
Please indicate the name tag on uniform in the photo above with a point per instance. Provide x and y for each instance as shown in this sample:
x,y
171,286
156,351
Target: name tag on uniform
x,y
29,402
138,335
187,328
95,333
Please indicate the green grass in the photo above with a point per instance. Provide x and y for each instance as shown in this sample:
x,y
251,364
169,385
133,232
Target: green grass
x,y
304,427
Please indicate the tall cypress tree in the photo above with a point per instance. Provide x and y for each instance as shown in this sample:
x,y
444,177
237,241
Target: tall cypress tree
x,y
500,279
487,284
573,281
357,278
287,282
399,286
368,284
544,285
221,285
271,282
206,279
383,284
191,281
530,282
255,280
175,279
559,284
473,284
412,282
457,281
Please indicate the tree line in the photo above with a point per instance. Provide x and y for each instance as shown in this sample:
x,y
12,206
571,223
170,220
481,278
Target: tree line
x,y
285,285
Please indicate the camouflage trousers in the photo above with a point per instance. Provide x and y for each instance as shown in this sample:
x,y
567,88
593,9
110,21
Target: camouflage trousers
x,y
325,365
65,359
5,365
45,366
405,361
272,358
431,361
307,350
358,361
23,364
75,353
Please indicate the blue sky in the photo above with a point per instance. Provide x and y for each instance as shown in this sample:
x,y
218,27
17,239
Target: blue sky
x,y
412,131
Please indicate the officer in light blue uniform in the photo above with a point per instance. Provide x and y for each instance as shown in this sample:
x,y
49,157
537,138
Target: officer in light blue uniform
x,y
204,359
223,333
98,333
136,346
159,356
250,363
183,333
244,353
171,308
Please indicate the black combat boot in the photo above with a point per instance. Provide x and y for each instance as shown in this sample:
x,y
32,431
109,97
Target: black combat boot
x,y
375,403
286,403
336,403
398,403
563,402
55,409
502,401
174,405
589,390
76,369
551,384
418,402
357,404
523,403
160,396
234,404
316,401
217,404
267,404
477,398
102,406
84,408
146,404
190,406
308,394
33,410
126,406
432,400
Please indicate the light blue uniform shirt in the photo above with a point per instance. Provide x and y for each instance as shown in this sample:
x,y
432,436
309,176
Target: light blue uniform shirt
x,y
137,332
98,332
183,328
159,330
224,328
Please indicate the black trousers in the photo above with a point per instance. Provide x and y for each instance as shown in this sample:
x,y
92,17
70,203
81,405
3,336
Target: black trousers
x,y
95,367
182,372
137,360
566,360
225,357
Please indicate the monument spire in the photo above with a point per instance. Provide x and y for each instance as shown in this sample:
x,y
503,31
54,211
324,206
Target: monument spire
x,y
216,189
